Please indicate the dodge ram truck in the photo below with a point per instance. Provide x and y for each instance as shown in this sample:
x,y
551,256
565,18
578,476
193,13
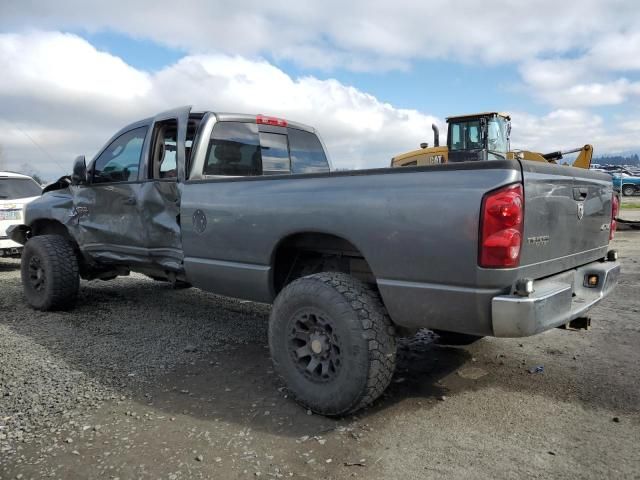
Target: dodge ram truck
x,y
247,207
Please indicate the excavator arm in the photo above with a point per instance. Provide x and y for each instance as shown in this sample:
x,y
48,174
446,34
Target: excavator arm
x,y
583,160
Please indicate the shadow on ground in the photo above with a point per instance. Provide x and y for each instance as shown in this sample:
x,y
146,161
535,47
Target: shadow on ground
x,y
227,376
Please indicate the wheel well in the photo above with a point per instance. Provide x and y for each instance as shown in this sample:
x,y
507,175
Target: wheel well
x,y
307,253
53,227
50,227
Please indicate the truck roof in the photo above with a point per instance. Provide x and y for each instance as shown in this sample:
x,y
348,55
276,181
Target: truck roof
x,y
224,117
243,117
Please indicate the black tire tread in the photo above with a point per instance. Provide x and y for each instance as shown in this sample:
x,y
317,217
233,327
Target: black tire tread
x,y
377,328
64,274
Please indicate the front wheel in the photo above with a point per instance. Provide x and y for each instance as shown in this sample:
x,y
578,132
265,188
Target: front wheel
x,y
49,271
628,190
332,342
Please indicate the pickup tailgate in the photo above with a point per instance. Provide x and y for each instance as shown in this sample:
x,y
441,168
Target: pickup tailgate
x,y
567,217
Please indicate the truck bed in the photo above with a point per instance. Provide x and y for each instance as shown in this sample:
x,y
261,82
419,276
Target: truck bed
x,y
417,228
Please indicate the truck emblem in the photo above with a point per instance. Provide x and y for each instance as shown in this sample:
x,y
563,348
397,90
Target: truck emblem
x,y
580,210
539,241
199,221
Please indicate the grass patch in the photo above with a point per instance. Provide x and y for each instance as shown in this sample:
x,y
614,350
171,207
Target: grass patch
x,y
630,206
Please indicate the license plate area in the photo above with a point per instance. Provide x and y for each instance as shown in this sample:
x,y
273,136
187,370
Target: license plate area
x,y
9,214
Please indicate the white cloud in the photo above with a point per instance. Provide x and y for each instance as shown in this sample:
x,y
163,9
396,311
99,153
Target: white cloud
x,y
68,97
566,129
571,54
67,116
377,33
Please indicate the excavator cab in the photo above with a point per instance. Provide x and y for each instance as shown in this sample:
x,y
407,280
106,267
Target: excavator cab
x,y
478,137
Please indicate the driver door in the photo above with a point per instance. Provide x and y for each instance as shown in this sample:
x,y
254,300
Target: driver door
x,y
108,207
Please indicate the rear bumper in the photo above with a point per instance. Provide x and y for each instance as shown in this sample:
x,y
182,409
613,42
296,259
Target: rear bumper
x,y
555,301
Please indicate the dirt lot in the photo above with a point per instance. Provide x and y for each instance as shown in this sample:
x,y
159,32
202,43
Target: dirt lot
x,y
141,381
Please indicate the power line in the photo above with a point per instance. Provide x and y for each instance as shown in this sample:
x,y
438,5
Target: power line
x,y
39,147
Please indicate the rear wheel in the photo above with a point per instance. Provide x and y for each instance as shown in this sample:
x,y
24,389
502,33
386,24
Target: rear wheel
x,y
332,342
49,271
628,190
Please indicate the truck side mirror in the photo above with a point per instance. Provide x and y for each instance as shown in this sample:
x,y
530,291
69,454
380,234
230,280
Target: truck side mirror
x,y
79,175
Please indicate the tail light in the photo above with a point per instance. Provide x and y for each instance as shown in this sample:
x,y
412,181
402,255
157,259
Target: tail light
x,y
615,209
276,122
501,222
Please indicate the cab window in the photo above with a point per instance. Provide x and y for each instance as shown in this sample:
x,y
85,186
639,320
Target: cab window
x,y
275,154
307,154
245,149
466,135
234,149
120,161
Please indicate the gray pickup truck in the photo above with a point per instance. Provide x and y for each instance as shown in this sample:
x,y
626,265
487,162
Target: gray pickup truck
x,y
246,206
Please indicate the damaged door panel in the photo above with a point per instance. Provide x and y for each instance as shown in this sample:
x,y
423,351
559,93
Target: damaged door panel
x,y
159,219
108,208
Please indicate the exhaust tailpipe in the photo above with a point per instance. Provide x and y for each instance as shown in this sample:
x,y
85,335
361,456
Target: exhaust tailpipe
x,y
436,135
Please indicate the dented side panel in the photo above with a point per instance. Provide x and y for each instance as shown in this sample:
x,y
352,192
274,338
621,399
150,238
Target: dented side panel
x,y
109,220
161,220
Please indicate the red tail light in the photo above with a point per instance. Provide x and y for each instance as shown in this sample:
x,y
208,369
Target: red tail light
x,y
276,122
501,222
615,209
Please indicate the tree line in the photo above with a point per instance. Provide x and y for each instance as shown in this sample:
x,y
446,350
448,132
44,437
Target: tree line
x,y
617,160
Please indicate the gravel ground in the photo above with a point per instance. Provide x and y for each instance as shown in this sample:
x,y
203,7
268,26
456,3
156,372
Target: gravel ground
x,y
53,366
142,381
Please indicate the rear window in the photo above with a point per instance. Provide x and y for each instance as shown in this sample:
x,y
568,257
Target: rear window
x,y
307,154
14,188
275,153
234,149
241,149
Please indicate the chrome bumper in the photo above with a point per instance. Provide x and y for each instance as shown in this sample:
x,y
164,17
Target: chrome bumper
x,y
555,301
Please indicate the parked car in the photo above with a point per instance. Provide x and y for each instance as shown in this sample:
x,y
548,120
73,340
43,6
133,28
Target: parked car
x,y
626,182
245,206
16,190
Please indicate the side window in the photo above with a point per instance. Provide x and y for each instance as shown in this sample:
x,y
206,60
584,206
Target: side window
x,y
474,135
307,154
456,140
275,153
234,149
163,159
120,161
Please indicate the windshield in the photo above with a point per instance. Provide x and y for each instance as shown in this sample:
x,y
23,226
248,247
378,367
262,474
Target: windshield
x,y
497,140
14,188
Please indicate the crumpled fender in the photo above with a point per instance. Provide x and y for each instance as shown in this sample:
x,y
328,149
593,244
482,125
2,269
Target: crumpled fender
x,y
60,184
18,233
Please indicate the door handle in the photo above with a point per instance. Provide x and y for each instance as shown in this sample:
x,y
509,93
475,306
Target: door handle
x,y
130,201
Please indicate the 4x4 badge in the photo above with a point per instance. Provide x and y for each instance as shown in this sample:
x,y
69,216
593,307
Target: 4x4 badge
x,y
580,210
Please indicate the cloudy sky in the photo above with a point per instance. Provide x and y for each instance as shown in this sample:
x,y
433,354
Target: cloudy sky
x,y
370,75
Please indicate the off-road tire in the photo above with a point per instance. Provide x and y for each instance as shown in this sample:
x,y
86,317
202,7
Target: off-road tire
x,y
57,289
360,326
628,190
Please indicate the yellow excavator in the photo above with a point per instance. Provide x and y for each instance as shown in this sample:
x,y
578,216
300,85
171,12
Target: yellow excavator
x,y
481,136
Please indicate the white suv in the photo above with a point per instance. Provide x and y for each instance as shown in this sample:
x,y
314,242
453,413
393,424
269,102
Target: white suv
x,y
16,190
